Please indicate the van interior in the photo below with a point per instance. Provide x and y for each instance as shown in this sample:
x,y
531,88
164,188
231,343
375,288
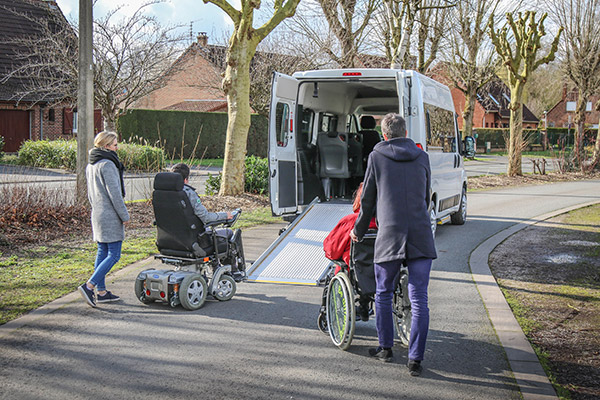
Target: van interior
x,y
337,129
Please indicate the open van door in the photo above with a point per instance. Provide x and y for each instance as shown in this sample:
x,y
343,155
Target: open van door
x,y
282,145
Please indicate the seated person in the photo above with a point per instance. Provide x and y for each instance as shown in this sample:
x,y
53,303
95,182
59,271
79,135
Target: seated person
x,y
337,245
201,212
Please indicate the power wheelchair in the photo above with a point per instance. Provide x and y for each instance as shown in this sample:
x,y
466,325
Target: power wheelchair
x,y
350,286
205,262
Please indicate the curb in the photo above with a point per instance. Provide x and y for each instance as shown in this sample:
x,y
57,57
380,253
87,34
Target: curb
x,y
528,372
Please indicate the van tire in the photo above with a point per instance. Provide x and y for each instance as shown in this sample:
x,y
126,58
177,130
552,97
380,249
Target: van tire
x,y
460,217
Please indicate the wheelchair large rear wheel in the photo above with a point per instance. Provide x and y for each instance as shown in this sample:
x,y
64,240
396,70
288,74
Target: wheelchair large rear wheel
x,y
192,292
341,312
402,309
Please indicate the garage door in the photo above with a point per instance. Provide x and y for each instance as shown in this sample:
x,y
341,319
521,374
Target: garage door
x,y
14,127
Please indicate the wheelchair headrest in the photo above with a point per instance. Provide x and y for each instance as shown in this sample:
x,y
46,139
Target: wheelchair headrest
x,y
168,181
367,122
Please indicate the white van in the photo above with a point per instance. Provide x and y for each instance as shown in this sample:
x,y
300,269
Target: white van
x,y
322,128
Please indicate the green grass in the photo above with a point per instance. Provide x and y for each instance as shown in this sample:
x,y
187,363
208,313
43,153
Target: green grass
x,y
48,272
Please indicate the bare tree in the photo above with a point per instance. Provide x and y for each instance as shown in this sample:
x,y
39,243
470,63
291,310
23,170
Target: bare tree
x,y
580,20
400,19
432,29
519,58
131,57
236,82
471,62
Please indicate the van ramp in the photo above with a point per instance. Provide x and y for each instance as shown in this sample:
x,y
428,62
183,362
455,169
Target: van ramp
x,y
297,256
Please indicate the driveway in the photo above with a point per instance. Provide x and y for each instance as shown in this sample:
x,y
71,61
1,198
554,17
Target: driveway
x,y
264,343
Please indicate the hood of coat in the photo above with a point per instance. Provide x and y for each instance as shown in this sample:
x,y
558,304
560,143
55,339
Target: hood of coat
x,y
398,149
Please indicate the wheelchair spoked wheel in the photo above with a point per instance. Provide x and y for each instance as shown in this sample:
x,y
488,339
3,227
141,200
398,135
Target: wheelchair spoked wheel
x,y
402,309
140,290
225,289
192,292
340,310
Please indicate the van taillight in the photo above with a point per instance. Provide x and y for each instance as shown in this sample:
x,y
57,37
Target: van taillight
x,y
291,125
352,74
419,145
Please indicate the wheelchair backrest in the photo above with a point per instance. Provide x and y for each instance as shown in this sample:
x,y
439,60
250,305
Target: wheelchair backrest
x,y
177,225
361,261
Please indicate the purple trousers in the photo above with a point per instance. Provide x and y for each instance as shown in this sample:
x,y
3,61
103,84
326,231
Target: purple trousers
x,y
386,278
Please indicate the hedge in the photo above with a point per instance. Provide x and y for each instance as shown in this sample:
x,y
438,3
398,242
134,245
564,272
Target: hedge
x,y
165,129
63,154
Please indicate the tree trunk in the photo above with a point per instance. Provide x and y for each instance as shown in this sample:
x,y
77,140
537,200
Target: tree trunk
x,y
237,88
596,156
580,127
515,146
468,115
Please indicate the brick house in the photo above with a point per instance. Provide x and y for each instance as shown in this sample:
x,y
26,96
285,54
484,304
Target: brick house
x,y
28,116
562,115
193,83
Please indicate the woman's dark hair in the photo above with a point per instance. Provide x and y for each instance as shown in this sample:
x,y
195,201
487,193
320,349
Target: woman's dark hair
x,y
357,194
181,169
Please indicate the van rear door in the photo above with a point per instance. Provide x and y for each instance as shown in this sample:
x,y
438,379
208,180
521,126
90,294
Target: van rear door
x,y
282,145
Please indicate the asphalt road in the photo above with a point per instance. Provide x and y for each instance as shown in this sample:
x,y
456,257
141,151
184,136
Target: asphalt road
x,y
264,342
489,164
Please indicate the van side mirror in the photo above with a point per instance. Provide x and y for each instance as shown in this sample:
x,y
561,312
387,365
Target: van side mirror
x,y
469,147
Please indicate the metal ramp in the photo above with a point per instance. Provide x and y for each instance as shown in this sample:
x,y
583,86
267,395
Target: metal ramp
x,y
297,256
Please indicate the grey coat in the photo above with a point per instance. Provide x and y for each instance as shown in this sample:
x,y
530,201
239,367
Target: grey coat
x,y
397,190
199,209
108,208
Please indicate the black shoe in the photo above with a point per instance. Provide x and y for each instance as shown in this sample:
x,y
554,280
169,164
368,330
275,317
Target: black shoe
x,y
385,355
88,295
414,367
107,297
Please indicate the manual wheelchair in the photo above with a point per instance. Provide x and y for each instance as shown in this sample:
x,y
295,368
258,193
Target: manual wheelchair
x,y
354,286
205,262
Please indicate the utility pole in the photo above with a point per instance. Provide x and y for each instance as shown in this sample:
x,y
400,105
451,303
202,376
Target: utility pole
x,y
85,97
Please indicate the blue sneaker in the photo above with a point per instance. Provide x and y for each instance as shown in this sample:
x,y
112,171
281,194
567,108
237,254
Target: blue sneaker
x,y
107,297
88,295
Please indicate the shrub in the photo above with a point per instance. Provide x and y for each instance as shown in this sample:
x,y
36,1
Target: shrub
x,y
63,154
256,177
1,147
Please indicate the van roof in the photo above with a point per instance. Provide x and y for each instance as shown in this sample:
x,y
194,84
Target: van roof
x,y
346,73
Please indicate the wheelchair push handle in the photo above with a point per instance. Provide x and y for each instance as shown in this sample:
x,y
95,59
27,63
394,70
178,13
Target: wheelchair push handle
x,y
235,215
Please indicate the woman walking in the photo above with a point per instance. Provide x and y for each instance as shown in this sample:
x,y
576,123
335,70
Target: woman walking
x,y
106,191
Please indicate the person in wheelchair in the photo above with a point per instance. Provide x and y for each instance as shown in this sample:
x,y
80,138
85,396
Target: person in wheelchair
x,y
203,214
337,247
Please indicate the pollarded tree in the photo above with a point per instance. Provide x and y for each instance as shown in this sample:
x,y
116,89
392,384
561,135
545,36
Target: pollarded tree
x,y
236,82
580,20
519,58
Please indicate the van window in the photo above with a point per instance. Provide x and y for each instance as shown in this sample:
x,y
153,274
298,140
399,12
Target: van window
x,y
351,124
440,129
306,125
282,116
327,123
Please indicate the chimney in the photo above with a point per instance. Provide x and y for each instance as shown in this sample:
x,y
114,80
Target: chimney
x,y
202,39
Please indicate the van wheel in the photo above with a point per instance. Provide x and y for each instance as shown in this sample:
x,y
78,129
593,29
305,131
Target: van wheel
x,y
460,217
432,218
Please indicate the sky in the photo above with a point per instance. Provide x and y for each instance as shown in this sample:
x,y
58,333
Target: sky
x,y
203,17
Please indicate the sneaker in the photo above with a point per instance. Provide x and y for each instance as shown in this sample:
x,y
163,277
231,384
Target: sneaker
x,y
385,355
88,295
414,367
107,297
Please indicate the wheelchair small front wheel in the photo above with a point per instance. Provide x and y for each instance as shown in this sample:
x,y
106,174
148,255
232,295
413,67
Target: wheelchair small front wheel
x,y
225,289
402,310
340,310
192,292
322,322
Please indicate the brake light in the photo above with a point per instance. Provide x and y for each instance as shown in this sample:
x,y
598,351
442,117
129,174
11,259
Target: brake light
x,y
162,294
148,292
291,125
419,145
352,74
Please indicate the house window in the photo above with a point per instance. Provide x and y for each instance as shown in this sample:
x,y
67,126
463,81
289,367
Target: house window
x,y
282,115
570,106
588,106
51,116
487,125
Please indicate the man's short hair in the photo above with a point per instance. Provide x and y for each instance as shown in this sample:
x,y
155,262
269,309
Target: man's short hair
x,y
181,169
393,126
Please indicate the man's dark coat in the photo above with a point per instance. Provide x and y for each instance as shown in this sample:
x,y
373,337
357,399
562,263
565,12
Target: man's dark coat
x,y
396,190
